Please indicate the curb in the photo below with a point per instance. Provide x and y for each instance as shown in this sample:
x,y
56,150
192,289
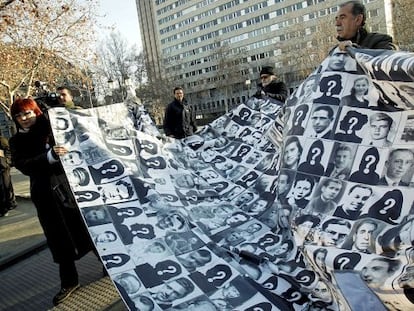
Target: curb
x,y
15,258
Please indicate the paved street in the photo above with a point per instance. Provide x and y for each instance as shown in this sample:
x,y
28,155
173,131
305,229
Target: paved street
x,y
29,277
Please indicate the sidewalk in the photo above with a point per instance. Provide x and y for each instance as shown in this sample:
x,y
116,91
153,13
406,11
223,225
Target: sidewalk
x,y
30,278
20,231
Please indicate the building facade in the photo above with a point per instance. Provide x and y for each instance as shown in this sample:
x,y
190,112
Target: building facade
x,y
215,48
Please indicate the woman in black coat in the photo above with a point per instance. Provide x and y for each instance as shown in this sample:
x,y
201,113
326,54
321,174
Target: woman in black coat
x,y
35,155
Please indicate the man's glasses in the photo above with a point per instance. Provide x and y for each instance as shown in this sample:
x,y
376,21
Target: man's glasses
x,y
24,114
264,77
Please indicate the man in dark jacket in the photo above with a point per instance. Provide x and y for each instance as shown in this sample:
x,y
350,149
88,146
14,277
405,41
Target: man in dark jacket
x,y
350,22
179,119
7,198
270,86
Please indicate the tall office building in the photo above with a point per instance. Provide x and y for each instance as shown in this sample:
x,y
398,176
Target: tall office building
x,y
215,48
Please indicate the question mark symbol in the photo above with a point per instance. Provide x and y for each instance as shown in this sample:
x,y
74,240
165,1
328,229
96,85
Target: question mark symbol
x,y
121,150
245,115
112,169
268,285
113,261
370,159
295,296
266,241
298,117
87,196
352,122
170,269
315,153
154,163
343,261
388,204
331,85
149,146
219,276
144,231
304,279
128,213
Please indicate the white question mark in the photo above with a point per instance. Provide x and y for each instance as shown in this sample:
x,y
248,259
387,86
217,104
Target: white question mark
x,y
331,85
352,122
116,259
370,160
245,115
388,204
128,212
343,262
298,116
144,231
170,269
219,276
120,149
113,168
295,296
305,279
266,241
87,196
268,285
315,153
154,163
149,146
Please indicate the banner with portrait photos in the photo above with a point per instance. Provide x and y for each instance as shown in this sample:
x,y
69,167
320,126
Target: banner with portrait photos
x,y
301,206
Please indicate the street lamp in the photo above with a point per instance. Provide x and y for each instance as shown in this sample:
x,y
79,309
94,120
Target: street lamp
x,y
110,97
111,84
248,83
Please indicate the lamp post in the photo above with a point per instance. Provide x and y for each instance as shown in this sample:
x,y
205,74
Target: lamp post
x,y
111,85
248,83
126,86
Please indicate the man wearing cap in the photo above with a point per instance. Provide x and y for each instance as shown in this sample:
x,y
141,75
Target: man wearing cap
x,y
270,86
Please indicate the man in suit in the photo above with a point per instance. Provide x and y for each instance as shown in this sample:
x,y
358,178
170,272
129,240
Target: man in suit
x,y
321,120
354,201
341,167
399,162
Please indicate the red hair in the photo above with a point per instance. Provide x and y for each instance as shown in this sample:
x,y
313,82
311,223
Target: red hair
x,y
24,104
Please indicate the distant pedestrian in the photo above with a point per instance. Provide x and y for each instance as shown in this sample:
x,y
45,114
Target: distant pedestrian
x,y
7,198
35,154
179,119
270,86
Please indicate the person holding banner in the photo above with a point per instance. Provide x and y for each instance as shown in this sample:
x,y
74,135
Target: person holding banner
x,y
35,154
349,24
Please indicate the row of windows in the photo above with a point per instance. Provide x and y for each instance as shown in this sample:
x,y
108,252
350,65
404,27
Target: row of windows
x,y
170,7
205,14
249,22
170,50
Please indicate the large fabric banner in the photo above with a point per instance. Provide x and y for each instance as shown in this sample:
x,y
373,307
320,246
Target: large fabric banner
x,y
301,206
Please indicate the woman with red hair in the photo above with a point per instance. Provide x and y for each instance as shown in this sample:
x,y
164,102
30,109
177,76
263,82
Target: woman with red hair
x,y
35,154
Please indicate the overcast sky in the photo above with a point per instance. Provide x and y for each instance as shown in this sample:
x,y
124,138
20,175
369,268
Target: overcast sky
x,y
123,16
